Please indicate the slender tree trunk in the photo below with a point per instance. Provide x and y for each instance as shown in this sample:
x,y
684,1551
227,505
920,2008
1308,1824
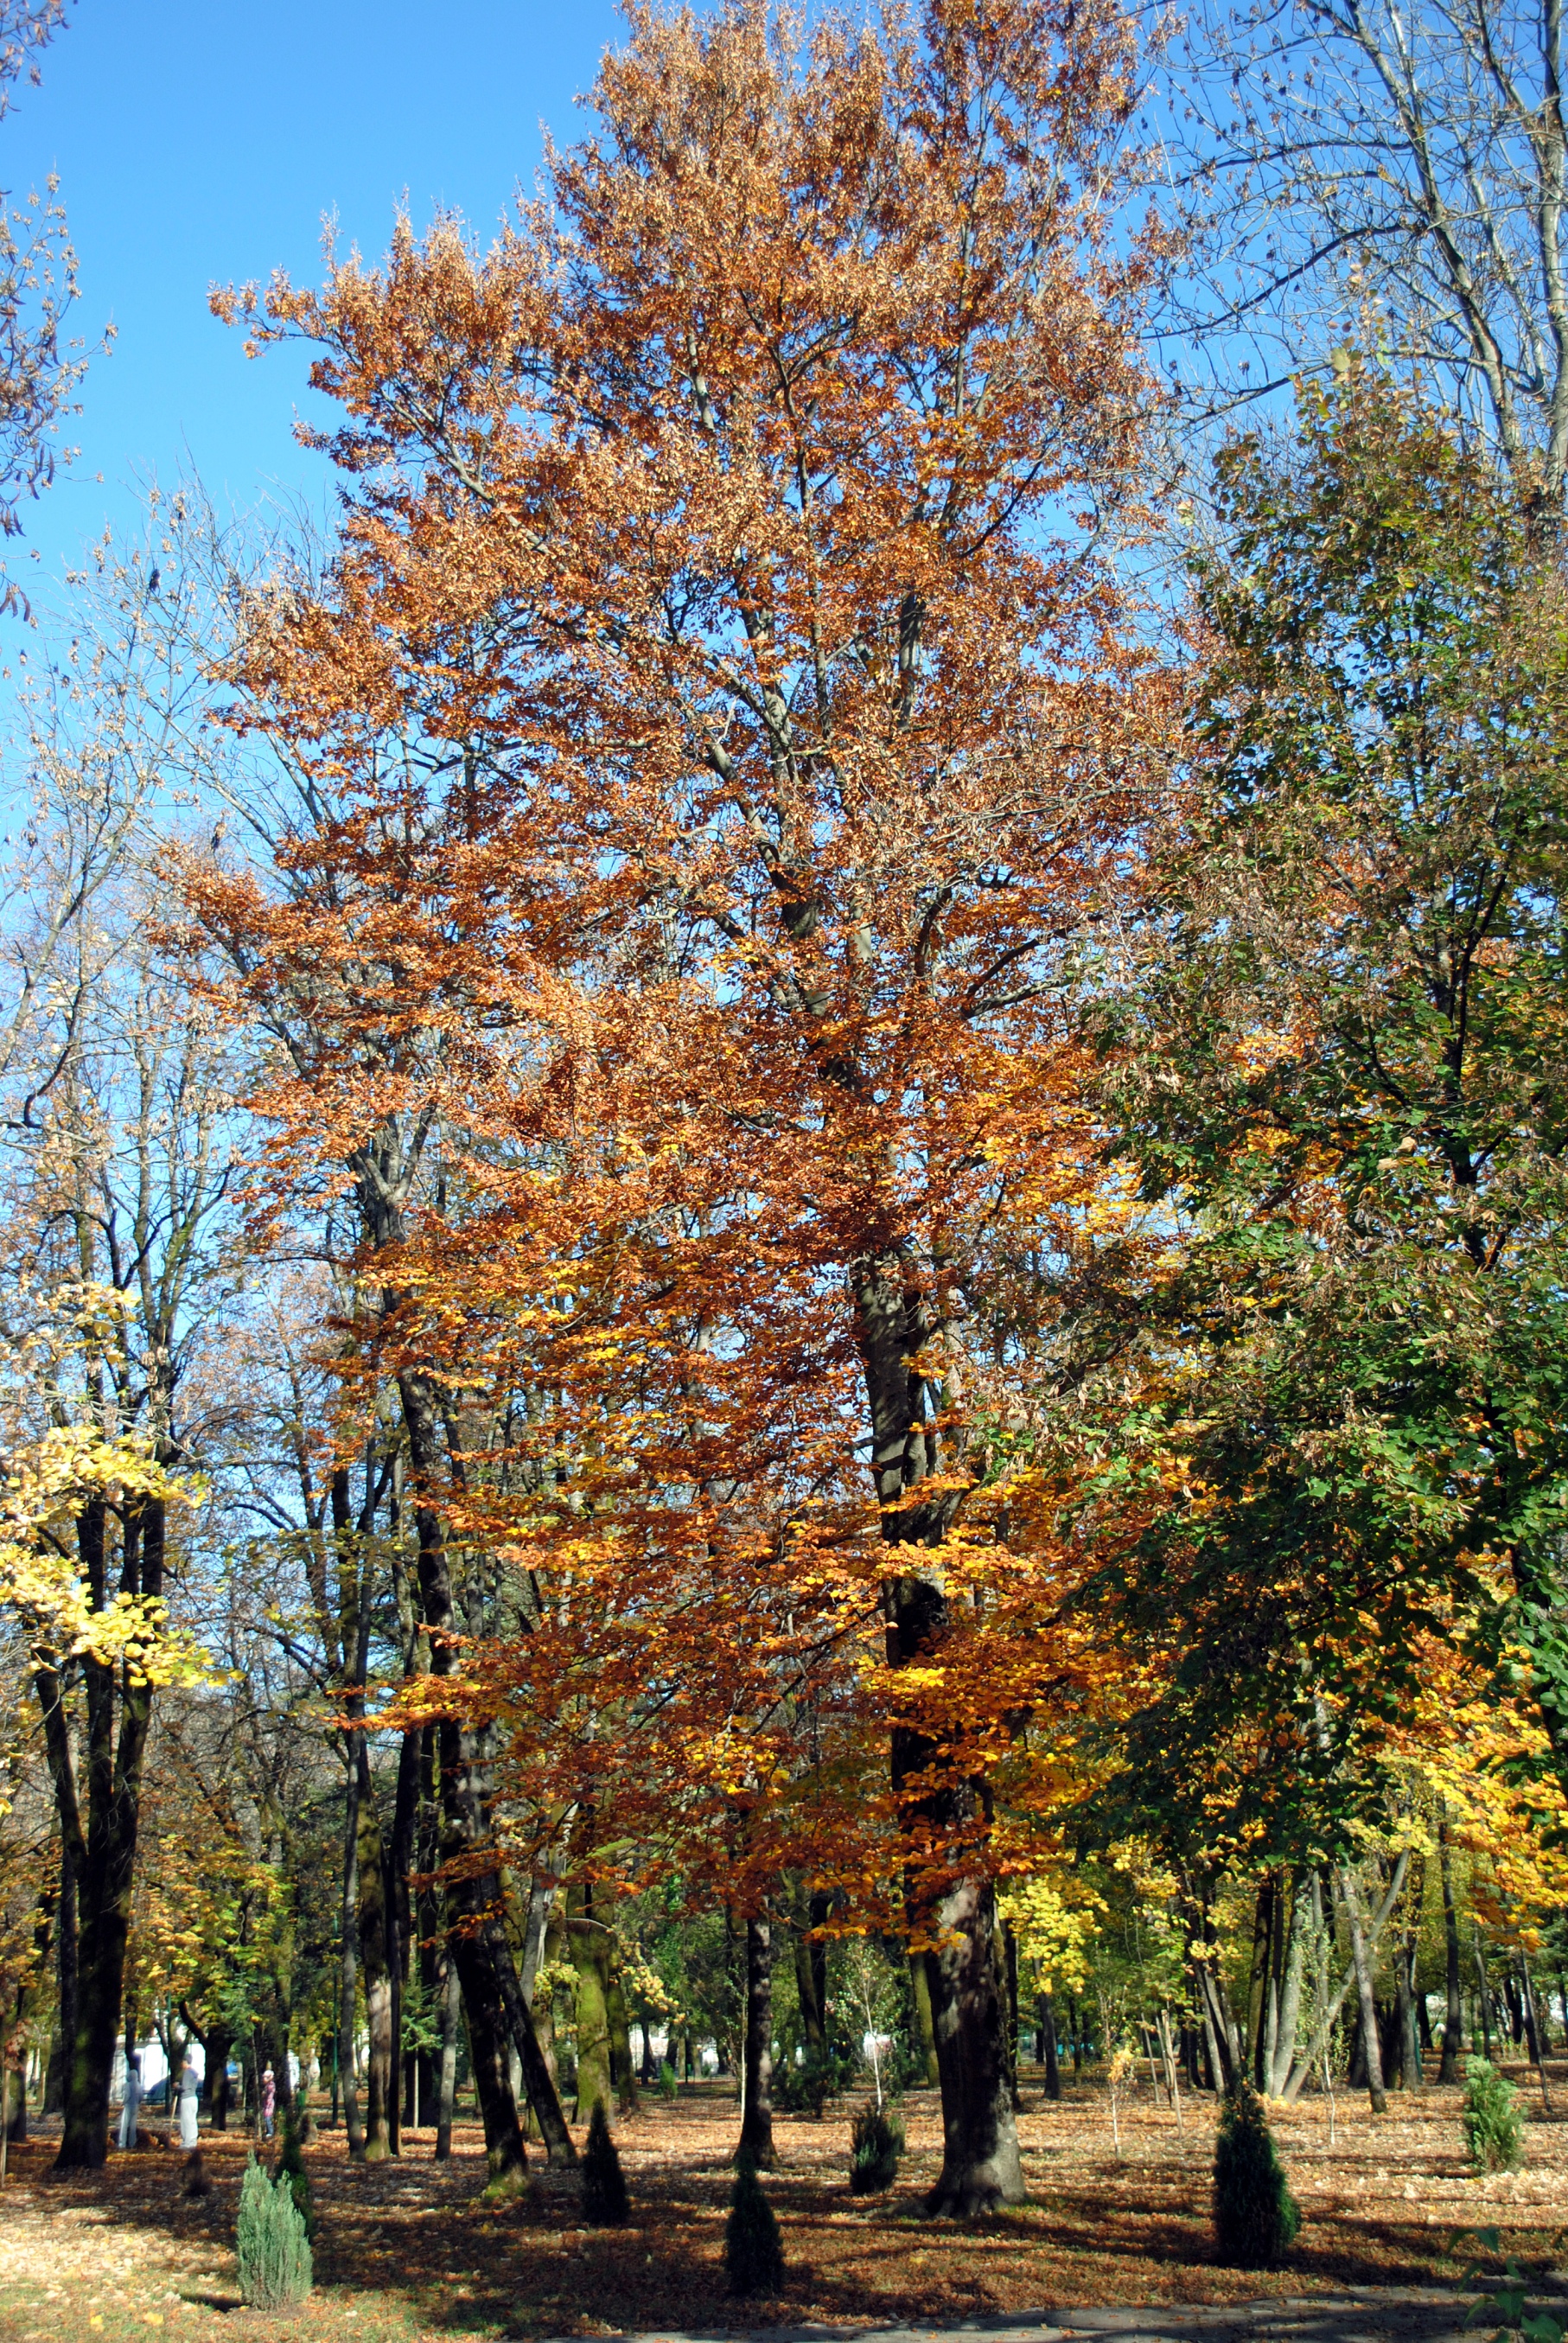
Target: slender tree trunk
x,y
1412,2073
348,1960
808,1991
380,2073
450,2005
492,1998
1371,2043
107,1868
1047,2030
1295,1962
1453,2012
1010,1975
400,1947
757,2122
925,2032
623,2073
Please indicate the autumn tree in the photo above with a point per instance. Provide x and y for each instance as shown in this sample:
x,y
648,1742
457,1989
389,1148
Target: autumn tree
x,y
728,557
1331,1488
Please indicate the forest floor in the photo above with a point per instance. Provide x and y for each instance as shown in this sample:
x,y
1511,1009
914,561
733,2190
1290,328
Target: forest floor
x,y
410,2252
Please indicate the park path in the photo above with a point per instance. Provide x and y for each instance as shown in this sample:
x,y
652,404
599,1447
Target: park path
x,y
1369,2315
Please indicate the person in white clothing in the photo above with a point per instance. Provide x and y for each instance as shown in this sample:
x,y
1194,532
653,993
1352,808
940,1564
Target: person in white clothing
x,y
133,2101
190,2092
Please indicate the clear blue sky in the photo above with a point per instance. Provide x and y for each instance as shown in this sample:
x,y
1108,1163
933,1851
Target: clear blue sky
x,y
204,139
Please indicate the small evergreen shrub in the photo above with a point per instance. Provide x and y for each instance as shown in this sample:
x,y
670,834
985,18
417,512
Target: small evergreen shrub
x,y
753,2257
291,2168
275,2271
805,2089
1492,2126
668,2087
604,2183
1255,2215
875,2144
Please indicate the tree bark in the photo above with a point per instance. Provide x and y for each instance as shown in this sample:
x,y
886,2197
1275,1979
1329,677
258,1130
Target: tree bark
x,y
1048,2029
348,1958
757,2122
446,2074
925,2031
623,2073
380,2070
981,2168
1295,1961
106,1865
591,1951
492,1998
1362,1964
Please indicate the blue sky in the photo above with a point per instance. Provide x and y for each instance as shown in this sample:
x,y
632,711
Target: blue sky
x,y
203,139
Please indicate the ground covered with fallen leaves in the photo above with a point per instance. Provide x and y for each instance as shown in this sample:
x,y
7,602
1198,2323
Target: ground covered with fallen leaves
x,y
412,2249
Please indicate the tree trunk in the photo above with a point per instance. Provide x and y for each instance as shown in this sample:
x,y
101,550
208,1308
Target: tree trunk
x,y
348,1961
1295,1962
1406,1953
981,2168
400,1932
107,1867
447,2073
1371,2045
757,2122
380,2073
590,1944
805,1986
1009,2034
623,2073
492,1998
925,2032
1048,2033
981,2164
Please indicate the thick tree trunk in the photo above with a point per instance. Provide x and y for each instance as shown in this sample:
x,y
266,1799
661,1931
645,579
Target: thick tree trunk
x,y
981,2164
757,2123
591,1951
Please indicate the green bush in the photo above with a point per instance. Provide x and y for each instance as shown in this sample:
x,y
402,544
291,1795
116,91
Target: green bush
x,y
291,2168
667,2085
875,2144
1492,2126
604,2183
1255,2215
753,2257
805,2089
274,2251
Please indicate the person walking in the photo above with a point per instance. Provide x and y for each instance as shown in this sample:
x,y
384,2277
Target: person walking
x,y
190,2093
132,2100
268,2100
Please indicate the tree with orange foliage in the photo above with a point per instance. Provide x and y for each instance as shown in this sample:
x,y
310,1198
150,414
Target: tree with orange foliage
x,y
727,562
